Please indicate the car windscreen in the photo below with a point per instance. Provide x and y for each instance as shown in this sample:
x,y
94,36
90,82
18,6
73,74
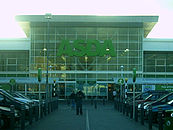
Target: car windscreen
x,y
165,98
8,94
21,95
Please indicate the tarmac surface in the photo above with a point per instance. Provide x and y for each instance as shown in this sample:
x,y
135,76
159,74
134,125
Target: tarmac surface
x,y
102,118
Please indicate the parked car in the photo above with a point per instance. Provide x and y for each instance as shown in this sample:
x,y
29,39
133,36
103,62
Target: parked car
x,y
160,101
151,98
168,119
25,99
6,99
5,116
164,107
147,96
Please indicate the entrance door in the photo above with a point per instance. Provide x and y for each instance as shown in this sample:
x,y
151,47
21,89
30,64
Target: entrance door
x,y
111,88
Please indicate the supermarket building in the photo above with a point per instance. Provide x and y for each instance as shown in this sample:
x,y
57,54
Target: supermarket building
x,y
86,52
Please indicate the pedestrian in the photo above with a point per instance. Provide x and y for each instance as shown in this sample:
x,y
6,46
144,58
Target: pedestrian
x,y
78,99
114,94
72,97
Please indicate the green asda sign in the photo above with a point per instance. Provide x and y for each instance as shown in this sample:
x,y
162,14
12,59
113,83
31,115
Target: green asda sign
x,y
86,48
164,87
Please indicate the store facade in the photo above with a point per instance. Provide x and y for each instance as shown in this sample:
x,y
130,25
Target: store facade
x,y
86,52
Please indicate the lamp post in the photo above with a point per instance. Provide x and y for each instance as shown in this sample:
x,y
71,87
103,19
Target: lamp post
x,y
50,89
47,17
134,80
121,89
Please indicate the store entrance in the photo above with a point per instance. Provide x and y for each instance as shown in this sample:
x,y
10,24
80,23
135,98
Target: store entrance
x,y
91,89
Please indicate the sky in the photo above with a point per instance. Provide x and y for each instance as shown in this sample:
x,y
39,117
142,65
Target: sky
x,y
9,27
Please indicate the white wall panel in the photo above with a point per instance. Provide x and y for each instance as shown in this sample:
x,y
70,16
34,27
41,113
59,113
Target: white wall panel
x,y
157,44
15,44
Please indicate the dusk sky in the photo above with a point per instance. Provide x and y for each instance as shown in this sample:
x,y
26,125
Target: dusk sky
x,y
9,28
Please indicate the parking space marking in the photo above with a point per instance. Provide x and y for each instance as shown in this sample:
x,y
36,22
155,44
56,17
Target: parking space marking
x,y
87,121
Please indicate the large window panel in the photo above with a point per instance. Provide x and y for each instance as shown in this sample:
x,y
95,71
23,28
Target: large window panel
x,y
11,68
112,67
169,69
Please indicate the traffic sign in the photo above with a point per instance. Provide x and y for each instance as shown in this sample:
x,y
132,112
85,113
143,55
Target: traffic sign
x,y
39,74
12,82
134,74
121,81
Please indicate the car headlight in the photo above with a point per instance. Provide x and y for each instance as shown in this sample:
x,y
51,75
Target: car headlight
x,y
27,107
139,106
171,114
146,107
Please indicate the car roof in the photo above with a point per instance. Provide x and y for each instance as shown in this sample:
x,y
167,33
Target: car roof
x,y
162,97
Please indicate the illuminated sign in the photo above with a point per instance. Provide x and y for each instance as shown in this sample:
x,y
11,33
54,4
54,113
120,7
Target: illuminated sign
x,y
86,48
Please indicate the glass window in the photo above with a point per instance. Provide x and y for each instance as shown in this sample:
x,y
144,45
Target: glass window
x,y
160,69
11,61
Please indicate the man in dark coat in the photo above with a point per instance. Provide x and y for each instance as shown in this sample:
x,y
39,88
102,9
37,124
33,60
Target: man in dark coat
x,y
72,97
78,100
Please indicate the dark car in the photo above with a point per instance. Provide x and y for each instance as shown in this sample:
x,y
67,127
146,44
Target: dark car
x,y
6,99
147,96
151,98
167,106
160,101
6,115
164,107
25,99
168,119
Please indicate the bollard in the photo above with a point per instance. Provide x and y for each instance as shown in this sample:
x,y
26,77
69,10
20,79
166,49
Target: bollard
x,y
131,111
12,117
103,101
120,105
36,112
51,105
92,101
123,106
49,109
57,103
95,104
127,109
136,113
22,117
115,104
30,113
160,120
150,117
41,109
142,113
46,107
0,119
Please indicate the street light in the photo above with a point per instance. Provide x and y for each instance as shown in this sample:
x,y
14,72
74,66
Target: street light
x,y
47,17
50,88
121,91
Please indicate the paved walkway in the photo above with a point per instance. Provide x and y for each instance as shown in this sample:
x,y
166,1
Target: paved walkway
x,y
102,118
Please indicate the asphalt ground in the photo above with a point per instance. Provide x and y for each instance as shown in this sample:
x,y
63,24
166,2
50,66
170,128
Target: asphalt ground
x,y
102,118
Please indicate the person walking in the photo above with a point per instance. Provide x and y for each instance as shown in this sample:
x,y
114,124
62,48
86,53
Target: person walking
x,y
72,97
79,97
